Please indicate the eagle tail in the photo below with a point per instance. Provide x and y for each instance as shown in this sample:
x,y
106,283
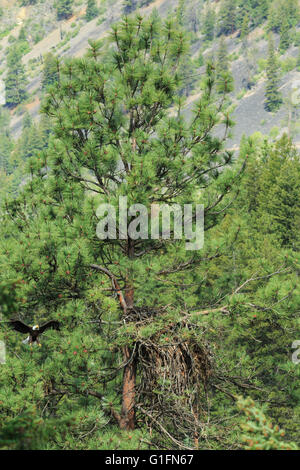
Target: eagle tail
x,y
26,341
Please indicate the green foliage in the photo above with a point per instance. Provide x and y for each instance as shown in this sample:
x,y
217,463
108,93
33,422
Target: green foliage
x,y
8,303
209,23
6,144
260,433
245,28
288,64
28,2
279,202
222,66
115,127
222,62
92,10
285,36
130,6
64,9
227,20
281,12
57,247
273,95
50,70
15,81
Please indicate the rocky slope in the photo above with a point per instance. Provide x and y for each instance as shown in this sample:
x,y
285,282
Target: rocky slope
x,y
249,111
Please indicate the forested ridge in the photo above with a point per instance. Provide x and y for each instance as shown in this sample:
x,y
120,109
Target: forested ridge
x,y
158,347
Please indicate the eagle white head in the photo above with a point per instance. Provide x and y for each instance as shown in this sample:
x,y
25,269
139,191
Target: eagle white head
x,y
36,327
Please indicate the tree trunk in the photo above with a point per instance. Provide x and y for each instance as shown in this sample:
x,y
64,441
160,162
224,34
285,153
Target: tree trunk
x,y
127,418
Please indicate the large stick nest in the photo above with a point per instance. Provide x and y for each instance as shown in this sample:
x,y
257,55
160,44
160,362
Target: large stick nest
x,y
174,372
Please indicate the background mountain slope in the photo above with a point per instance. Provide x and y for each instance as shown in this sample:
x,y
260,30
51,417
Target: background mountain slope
x,y
69,38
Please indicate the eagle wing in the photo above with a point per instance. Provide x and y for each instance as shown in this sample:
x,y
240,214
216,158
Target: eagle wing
x,y
50,324
18,325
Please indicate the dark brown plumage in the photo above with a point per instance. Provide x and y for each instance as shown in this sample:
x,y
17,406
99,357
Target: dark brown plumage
x,y
35,331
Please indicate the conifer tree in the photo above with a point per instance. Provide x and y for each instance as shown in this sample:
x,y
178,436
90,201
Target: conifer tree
x,y
15,81
227,20
291,12
209,23
30,142
111,114
285,37
259,433
245,29
193,15
22,35
130,6
64,9
279,201
28,2
298,58
222,64
6,143
274,18
256,10
92,10
180,13
273,95
282,11
136,313
50,70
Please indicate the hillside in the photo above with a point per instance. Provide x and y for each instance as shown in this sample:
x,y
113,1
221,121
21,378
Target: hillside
x,y
249,113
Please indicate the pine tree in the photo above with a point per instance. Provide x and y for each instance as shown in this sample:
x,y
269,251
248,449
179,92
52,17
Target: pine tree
x,y
15,81
273,96
285,37
258,431
192,15
6,143
28,2
209,23
92,134
245,30
64,9
180,12
279,201
291,12
227,20
223,73
50,70
275,17
130,6
256,10
222,63
298,58
260,9
92,10
282,11
136,313
248,81
31,141
22,35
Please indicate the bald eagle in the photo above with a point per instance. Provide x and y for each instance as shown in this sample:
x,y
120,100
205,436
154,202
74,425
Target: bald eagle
x,y
34,332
